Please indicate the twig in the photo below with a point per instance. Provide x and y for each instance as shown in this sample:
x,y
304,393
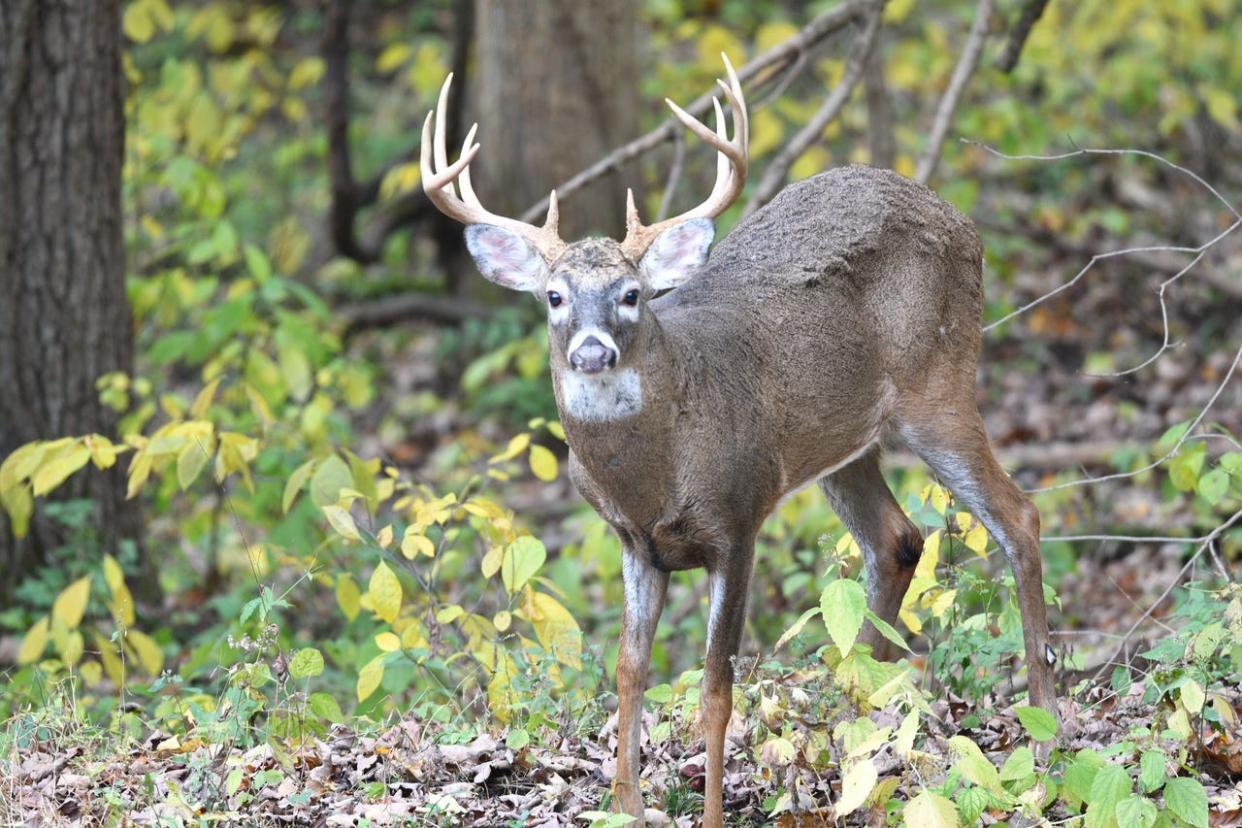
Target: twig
x,y
774,176
966,65
1213,535
778,55
1194,424
674,175
1021,30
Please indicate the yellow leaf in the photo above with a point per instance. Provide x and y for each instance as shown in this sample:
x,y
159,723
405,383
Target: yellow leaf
x,y
21,464
939,499
912,622
502,620
392,57
556,629
414,544
139,471
122,604
384,536
70,605
774,33
557,430
369,677
449,614
137,23
295,483
342,522
149,654
34,642
976,540
897,11
190,462
942,602
306,72
543,463
103,452
348,596
91,672
198,409
54,472
930,810
859,779
388,642
930,559
112,665
516,446
385,592
69,645
492,560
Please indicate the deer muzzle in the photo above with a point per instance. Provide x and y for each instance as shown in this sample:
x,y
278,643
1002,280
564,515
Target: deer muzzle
x,y
593,356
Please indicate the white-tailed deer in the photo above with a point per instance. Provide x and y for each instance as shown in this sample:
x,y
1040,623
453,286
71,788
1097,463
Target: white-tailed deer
x,y
697,390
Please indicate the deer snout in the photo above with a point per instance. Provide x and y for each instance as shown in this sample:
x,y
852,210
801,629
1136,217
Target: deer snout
x,y
592,356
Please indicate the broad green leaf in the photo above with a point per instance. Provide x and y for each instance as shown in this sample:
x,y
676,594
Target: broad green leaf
x,y
1213,485
1039,723
1187,800
369,677
930,810
325,707
331,475
1136,812
190,462
385,592
523,558
1019,765
885,629
348,596
34,642
307,663
297,479
973,765
1151,771
543,463
857,783
1110,786
517,739
1192,696
841,605
796,628
342,522
54,472
70,605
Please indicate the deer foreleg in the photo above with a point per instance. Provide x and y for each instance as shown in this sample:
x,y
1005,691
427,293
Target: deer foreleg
x,y
644,599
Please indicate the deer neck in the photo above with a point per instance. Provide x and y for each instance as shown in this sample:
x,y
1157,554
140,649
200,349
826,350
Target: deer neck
x,y
621,424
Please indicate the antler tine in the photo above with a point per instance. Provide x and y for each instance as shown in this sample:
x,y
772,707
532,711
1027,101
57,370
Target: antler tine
x,y
731,163
439,176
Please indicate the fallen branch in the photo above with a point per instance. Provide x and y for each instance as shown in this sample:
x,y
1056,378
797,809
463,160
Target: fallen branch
x,y
776,57
777,171
965,67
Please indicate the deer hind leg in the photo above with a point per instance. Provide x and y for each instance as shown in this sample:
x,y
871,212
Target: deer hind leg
x,y
645,587
956,447
890,543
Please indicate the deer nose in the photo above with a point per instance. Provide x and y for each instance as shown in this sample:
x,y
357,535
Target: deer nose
x,y
592,356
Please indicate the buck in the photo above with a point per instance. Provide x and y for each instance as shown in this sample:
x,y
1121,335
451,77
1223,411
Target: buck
x,y
697,390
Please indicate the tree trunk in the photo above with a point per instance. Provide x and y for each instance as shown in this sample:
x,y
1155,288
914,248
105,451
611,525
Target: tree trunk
x,y
64,318
556,88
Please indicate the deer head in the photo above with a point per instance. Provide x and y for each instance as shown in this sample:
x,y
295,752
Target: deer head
x,y
596,289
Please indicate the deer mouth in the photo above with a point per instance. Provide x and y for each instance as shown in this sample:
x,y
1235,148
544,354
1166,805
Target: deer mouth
x,y
592,355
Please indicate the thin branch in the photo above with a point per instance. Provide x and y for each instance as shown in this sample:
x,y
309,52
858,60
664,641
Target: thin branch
x,y
778,170
966,65
1031,12
777,56
674,176
1207,540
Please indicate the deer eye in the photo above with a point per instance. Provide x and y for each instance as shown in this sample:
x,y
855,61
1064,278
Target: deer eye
x,y
631,298
554,299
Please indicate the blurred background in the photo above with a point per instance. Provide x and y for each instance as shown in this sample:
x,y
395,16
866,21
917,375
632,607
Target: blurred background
x,y
257,401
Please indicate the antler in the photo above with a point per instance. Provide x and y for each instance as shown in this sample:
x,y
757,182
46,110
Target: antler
x,y
438,185
730,167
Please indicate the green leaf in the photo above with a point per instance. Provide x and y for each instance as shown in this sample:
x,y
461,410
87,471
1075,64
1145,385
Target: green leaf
x,y
886,629
1019,765
796,627
522,560
1151,771
325,707
1184,469
1136,812
307,663
1187,800
342,522
857,783
842,604
348,596
1213,485
517,739
973,765
1039,723
295,483
330,477
190,461
930,810
1110,786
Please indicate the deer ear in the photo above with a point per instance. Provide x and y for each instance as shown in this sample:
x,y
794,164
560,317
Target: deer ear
x,y
677,253
506,258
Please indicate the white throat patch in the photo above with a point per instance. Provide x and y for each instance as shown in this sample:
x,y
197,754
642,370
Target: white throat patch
x,y
610,395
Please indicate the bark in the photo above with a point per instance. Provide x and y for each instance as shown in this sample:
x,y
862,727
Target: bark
x,y
556,88
64,319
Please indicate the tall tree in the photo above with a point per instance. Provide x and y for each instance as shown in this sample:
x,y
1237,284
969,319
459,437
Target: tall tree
x,y
64,319
555,89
